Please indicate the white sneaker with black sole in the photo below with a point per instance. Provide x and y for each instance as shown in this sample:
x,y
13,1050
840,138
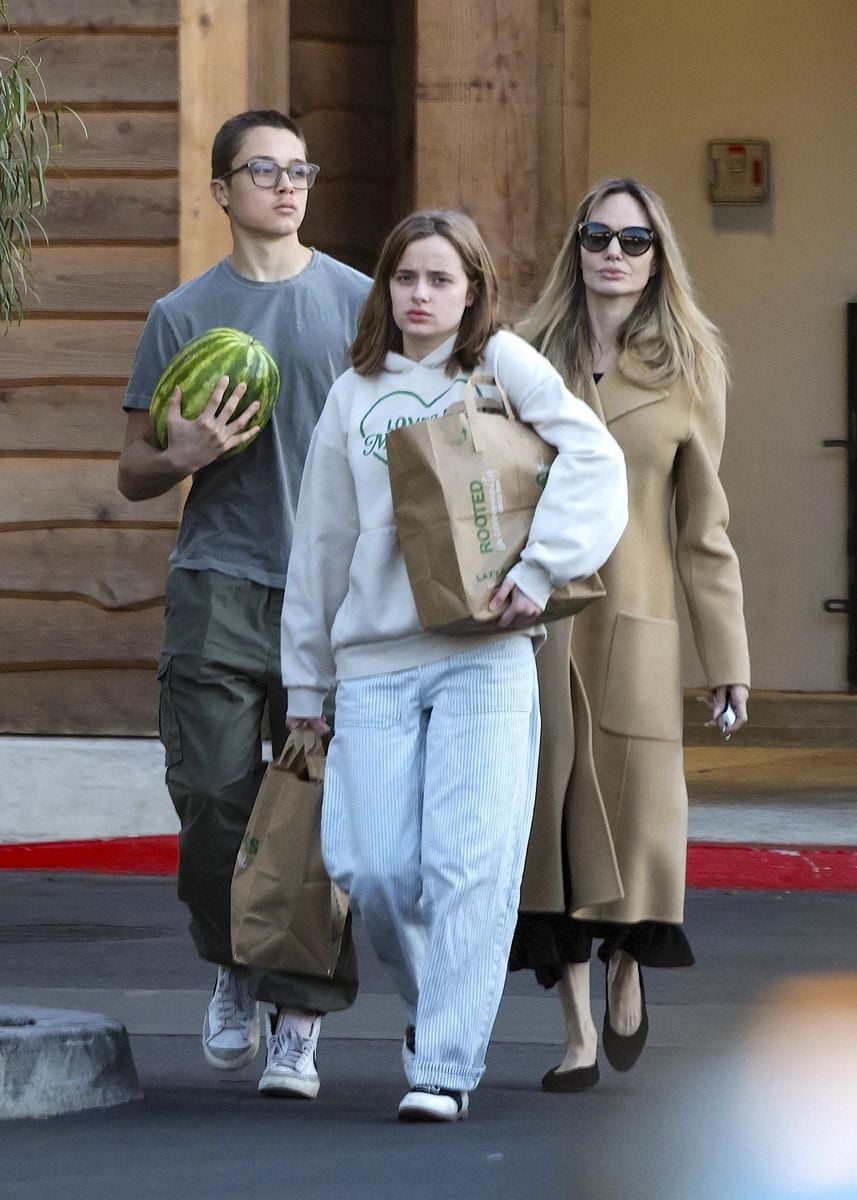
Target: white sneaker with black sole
x,y
231,1029
434,1104
290,1070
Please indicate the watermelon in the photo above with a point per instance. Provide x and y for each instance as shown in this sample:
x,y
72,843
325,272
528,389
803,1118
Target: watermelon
x,y
198,366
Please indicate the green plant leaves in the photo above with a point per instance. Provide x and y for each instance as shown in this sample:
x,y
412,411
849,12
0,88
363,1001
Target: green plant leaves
x,y
29,139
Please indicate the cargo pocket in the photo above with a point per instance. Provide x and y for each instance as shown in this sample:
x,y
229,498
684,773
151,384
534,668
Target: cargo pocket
x,y
642,696
168,722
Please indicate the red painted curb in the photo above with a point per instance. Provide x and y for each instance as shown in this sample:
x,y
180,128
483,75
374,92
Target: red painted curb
x,y
108,856
709,864
778,868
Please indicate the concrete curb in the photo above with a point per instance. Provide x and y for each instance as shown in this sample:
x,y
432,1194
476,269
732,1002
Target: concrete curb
x,y
56,1061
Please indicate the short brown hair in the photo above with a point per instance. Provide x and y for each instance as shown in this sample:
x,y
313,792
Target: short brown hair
x,y
376,330
230,135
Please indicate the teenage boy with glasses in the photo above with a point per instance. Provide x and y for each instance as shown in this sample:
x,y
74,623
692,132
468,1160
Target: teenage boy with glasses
x,y
221,660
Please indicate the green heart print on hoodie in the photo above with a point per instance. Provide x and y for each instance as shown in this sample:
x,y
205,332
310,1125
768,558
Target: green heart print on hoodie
x,y
394,410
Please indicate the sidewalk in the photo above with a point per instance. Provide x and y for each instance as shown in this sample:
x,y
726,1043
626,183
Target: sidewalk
x,y
760,816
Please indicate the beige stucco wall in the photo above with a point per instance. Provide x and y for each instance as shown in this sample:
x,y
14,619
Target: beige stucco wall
x,y
667,76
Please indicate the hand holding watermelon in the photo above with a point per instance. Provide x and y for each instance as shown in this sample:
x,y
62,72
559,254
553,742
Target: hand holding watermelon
x,y
215,433
190,409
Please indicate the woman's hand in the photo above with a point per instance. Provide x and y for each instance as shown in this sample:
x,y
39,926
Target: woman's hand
x,y
317,724
715,698
520,612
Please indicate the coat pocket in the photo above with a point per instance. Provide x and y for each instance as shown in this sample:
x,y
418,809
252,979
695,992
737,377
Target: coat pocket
x,y
642,696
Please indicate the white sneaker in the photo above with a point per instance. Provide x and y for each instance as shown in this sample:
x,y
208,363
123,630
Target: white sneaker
x,y
434,1104
231,1031
291,1068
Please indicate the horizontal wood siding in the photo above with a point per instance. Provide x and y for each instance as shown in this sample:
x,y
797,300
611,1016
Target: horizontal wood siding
x,y
50,492
82,570
70,350
114,70
86,562
118,279
94,15
102,209
80,701
120,141
54,632
90,418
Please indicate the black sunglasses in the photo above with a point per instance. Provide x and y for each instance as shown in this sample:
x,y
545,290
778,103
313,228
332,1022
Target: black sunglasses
x,y
634,240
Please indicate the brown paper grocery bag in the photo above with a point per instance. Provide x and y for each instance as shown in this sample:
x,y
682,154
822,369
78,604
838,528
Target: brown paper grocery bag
x,y
465,487
287,915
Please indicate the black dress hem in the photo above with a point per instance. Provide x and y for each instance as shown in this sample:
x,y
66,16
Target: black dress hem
x,y
546,942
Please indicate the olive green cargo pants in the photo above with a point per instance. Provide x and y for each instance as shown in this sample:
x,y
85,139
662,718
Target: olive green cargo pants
x,y
220,666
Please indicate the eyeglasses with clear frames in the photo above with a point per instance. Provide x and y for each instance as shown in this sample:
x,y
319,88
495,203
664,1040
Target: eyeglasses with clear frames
x,y
266,173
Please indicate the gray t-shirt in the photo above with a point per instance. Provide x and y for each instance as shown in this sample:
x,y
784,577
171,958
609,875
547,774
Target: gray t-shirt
x,y
240,513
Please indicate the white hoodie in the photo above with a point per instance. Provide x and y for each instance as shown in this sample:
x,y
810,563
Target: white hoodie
x,y
348,609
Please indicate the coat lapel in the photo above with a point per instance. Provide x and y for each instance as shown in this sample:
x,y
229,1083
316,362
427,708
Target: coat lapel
x,y
618,395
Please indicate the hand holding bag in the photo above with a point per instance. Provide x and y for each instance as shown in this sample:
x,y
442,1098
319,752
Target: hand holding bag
x,y
287,914
465,487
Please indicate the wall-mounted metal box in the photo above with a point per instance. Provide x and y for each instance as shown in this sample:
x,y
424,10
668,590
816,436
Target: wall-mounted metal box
x,y
739,172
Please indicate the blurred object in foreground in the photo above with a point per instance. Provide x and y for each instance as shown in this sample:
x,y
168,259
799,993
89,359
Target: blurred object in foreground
x,y
775,1119
797,1098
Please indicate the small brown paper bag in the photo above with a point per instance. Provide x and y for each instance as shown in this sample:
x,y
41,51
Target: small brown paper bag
x,y
287,914
465,487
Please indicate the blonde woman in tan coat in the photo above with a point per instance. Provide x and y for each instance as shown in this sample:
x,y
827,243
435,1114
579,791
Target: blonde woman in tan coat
x,y
607,853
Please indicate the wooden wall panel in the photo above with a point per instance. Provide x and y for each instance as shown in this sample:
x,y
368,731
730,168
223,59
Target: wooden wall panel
x,y
563,125
63,632
342,91
111,279
213,86
61,491
112,210
337,76
39,349
365,20
110,69
234,55
350,145
120,141
82,570
117,568
477,126
94,14
330,220
85,702
267,53
61,417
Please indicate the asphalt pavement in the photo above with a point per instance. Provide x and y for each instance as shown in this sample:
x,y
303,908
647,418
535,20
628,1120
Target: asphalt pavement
x,y
118,946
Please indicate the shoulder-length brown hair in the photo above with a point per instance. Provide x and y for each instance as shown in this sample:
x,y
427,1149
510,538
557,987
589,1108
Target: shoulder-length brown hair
x,y
376,330
666,336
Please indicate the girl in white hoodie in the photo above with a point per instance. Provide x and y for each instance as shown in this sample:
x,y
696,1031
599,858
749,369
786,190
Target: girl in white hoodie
x,y
431,772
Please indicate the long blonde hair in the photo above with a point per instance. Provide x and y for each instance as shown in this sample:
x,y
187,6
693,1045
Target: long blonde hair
x,y
376,330
666,337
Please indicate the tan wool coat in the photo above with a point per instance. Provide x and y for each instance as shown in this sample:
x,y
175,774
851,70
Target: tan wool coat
x,y
610,829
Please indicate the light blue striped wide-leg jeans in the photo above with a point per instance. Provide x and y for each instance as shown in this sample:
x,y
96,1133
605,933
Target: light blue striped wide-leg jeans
x,y
429,791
